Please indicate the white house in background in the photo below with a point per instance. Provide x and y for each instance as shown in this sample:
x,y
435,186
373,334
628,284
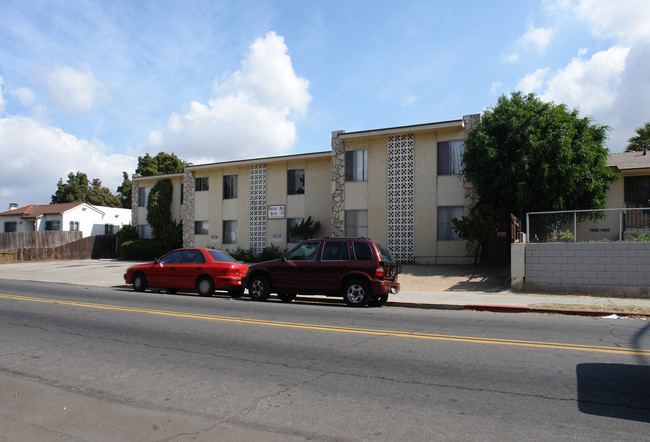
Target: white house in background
x,y
81,217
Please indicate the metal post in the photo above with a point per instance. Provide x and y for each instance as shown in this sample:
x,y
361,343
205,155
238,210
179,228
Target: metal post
x,y
527,227
575,228
620,225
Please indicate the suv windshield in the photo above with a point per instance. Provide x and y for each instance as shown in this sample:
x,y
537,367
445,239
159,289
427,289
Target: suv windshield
x,y
385,254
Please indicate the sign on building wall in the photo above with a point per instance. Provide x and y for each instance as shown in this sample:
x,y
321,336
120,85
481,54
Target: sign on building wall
x,y
277,237
276,212
214,238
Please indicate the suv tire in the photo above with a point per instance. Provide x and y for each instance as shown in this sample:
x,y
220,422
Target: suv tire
x,y
356,293
259,288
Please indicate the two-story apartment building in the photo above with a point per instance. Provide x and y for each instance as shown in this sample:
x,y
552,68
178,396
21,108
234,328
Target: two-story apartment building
x,y
400,186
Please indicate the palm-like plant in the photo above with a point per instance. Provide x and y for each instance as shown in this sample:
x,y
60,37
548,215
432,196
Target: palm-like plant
x,y
641,140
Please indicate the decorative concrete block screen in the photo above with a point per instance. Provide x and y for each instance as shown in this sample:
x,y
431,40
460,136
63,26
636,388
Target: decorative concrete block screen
x,y
400,197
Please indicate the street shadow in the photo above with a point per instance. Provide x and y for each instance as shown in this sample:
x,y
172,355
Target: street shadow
x,y
620,391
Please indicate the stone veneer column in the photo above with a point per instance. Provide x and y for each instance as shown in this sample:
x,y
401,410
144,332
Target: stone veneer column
x,y
135,185
338,184
469,123
188,208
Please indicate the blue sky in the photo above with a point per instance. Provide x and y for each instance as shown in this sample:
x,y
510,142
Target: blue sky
x,y
91,85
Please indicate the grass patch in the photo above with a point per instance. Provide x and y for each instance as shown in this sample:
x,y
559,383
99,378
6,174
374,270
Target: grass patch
x,y
595,307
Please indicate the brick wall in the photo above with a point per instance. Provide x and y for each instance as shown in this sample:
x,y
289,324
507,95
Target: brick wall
x,y
621,268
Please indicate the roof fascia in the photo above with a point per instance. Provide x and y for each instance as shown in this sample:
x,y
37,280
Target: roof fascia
x,y
402,129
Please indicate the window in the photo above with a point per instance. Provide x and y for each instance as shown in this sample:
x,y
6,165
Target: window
x,y
143,194
52,225
201,184
11,226
336,251
230,232
193,257
143,231
356,165
450,157
446,230
356,223
109,229
229,187
295,181
201,227
291,222
362,251
304,252
74,226
637,191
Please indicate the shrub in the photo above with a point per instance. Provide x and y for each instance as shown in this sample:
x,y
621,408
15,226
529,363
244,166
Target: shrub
x,y
142,249
127,233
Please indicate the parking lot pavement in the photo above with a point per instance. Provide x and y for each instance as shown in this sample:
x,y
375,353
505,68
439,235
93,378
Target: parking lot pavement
x,y
434,287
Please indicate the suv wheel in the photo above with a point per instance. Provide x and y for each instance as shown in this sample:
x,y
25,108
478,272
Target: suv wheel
x,y
378,301
356,293
287,297
259,288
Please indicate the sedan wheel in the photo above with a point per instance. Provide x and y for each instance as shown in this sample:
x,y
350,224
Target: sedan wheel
x,y
259,288
139,282
356,293
205,286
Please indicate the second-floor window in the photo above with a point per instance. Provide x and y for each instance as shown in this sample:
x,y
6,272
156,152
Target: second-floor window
x,y
229,187
201,228
356,165
202,183
295,181
450,157
143,193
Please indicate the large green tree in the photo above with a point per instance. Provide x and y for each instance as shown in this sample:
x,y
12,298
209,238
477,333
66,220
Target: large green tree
x,y
79,189
163,163
528,155
641,140
124,191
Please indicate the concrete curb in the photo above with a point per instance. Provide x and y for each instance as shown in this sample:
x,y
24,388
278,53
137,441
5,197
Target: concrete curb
x,y
513,309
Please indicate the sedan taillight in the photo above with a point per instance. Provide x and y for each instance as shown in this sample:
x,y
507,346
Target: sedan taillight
x,y
231,272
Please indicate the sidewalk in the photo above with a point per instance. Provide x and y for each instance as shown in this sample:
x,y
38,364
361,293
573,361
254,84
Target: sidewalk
x,y
429,287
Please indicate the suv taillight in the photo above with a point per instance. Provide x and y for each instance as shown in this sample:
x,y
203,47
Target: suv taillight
x,y
379,273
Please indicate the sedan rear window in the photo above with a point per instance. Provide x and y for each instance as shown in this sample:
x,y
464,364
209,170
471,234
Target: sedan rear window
x,y
219,256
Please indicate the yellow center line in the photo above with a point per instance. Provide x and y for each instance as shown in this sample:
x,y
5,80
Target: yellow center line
x,y
332,328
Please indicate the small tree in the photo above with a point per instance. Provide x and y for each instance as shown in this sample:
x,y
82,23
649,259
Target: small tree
x,y
641,140
124,191
163,163
306,229
477,228
159,207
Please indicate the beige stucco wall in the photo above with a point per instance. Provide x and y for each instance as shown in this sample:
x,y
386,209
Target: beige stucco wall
x,y
176,207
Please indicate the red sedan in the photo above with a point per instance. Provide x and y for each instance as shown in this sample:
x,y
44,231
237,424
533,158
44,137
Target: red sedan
x,y
203,270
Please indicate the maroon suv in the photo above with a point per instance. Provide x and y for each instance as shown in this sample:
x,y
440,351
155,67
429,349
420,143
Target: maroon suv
x,y
360,270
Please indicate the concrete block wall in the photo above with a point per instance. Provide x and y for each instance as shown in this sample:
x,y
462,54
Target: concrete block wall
x,y
615,268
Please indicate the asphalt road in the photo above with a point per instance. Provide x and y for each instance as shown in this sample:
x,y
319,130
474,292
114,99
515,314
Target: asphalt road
x,y
88,363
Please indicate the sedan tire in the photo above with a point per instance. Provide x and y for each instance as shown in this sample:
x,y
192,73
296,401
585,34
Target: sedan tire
x,y
205,286
139,282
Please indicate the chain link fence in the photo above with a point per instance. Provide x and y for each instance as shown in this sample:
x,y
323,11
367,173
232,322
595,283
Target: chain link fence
x,y
589,225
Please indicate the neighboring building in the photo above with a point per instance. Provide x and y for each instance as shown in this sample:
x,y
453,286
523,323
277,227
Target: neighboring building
x,y
633,189
400,186
91,220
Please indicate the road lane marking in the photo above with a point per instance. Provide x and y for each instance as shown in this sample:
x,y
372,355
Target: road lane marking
x,y
333,328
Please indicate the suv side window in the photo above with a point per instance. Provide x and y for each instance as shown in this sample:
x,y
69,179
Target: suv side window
x,y
336,251
362,251
304,252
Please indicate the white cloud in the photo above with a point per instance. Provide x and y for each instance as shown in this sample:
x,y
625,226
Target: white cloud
x,y
76,91
533,82
510,58
589,84
2,101
249,115
536,38
35,156
26,96
496,88
626,21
